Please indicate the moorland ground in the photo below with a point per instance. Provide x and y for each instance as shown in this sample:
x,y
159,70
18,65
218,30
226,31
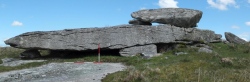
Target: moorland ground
x,y
194,66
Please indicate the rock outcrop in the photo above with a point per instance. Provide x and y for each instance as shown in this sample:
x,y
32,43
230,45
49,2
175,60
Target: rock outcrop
x,y
116,37
128,40
230,37
179,17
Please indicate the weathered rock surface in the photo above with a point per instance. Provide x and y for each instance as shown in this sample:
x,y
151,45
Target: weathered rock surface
x,y
147,50
234,39
179,17
16,62
116,37
206,50
63,72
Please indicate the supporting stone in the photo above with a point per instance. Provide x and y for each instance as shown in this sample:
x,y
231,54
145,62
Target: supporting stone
x,y
146,50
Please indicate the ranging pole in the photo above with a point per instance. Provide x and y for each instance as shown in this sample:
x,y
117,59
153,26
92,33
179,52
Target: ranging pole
x,y
99,51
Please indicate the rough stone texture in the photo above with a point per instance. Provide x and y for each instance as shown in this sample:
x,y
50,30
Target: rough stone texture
x,y
218,38
6,60
30,54
16,62
63,72
180,17
206,50
137,22
146,50
116,37
234,39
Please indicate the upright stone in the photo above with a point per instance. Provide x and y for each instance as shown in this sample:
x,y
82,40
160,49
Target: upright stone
x,y
179,17
230,37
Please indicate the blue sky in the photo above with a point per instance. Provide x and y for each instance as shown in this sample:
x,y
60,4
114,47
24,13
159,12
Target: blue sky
x,y
20,16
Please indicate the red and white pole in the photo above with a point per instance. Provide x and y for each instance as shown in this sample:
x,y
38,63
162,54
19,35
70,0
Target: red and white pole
x,y
99,51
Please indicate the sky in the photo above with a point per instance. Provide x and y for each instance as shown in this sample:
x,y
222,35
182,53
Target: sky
x,y
20,16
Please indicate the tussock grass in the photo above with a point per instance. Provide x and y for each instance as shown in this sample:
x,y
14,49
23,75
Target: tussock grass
x,y
192,67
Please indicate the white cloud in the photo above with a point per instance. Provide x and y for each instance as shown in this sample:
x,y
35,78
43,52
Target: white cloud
x,y
17,23
235,27
222,4
248,23
245,36
168,3
248,1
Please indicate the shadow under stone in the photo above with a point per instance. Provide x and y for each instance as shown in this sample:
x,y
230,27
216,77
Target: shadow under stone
x,y
78,54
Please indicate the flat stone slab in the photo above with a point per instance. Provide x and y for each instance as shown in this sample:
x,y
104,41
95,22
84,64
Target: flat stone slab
x,y
115,37
180,17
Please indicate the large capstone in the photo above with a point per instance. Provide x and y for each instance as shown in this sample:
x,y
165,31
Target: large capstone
x,y
180,17
230,37
115,37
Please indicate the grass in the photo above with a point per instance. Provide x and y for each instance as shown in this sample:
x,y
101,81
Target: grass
x,y
191,67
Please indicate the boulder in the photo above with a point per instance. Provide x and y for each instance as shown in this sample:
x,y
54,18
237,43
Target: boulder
x,y
30,54
179,17
146,50
230,37
115,37
227,60
205,50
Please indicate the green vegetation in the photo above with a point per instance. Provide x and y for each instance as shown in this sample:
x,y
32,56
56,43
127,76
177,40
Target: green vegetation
x,y
192,67
230,63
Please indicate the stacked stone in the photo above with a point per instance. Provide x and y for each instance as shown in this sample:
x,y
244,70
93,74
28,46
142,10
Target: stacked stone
x,y
179,17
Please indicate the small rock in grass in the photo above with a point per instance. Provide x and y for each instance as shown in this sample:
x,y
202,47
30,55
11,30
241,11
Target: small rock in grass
x,y
180,53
